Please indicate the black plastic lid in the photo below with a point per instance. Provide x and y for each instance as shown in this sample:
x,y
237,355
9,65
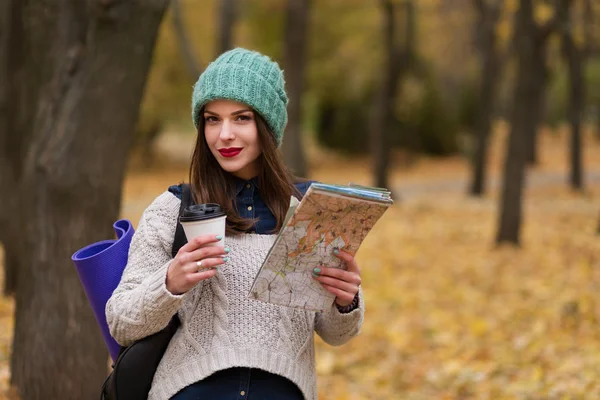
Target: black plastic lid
x,y
200,212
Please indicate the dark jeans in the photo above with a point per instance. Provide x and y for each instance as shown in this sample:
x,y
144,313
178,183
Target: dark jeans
x,y
241,384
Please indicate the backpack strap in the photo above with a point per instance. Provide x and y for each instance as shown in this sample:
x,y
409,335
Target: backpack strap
x,y
186,200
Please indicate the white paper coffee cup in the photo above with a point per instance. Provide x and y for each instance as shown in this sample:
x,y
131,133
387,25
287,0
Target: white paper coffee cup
x,y
203,219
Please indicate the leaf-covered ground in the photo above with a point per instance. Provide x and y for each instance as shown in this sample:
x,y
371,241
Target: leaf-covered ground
x,y
449,315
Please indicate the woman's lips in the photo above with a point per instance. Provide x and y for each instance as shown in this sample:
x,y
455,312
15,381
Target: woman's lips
x,y
230,152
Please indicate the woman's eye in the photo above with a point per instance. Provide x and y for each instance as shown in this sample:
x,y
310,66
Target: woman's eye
x,y
210,119
244,118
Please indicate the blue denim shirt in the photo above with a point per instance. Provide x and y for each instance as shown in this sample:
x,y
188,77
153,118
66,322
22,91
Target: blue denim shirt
x,y
250,205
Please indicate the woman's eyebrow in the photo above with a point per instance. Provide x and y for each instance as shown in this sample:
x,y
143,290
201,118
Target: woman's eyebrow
x,y
233,113
241,111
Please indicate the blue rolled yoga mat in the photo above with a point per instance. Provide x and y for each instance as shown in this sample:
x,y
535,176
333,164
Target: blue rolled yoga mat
x,y
100,266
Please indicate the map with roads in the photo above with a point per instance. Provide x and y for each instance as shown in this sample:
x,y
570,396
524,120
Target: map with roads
x,y
321,223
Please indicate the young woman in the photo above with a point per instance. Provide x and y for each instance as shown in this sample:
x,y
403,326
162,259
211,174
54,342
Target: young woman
x,y
229,346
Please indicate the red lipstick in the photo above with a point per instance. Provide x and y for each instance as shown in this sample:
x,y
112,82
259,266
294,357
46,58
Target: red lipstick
x,y
230,151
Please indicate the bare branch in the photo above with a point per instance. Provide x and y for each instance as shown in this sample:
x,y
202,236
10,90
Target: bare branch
x,y
192,64
226,17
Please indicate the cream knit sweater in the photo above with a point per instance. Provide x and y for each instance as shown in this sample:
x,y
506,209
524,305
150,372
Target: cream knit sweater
x,y
220,328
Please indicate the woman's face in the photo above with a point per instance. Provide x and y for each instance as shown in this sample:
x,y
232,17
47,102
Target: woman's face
x,y
232,137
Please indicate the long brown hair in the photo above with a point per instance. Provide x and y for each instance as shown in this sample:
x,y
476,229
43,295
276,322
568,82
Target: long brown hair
x,y
211,184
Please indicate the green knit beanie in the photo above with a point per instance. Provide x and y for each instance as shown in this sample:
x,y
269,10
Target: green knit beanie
x,y
248,77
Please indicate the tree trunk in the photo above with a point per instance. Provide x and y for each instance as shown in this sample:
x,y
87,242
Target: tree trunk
x,y
13,138
380,135
530,43
295,64
397,60
11,259
574,57
591,50
86,65
9,146
192,64
598,122
227,16
540,34
538,110
486,34
522,125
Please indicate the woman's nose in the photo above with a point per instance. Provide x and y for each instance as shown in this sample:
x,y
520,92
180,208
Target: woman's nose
x,y
226,131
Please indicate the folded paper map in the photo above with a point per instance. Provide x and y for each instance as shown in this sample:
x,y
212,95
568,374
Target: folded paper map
x,y
329,217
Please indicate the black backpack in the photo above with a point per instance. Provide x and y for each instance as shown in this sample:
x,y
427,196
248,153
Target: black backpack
x,y
133,371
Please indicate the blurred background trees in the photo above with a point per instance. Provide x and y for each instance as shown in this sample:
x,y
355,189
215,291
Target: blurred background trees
x,y
399,55
530,46
389,81
294,62
491,61
398,79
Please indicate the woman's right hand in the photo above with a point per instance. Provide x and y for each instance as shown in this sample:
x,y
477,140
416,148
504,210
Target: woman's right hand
x,y
184,272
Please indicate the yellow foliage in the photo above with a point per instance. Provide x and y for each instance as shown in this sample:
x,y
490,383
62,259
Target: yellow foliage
x,y
543,12
449,315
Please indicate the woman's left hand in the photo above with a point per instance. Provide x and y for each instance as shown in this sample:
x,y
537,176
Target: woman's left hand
x,y
344,284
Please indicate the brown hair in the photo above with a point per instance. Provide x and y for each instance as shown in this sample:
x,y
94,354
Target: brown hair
x,y
211,184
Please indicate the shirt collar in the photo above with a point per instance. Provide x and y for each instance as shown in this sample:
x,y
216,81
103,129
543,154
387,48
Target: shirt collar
x,y
241,183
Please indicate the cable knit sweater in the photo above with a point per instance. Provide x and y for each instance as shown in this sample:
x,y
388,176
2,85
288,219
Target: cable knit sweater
x,y
220,327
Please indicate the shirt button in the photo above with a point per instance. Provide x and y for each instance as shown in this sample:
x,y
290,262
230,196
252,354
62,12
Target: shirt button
x,y
249,208
242,393
248,185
